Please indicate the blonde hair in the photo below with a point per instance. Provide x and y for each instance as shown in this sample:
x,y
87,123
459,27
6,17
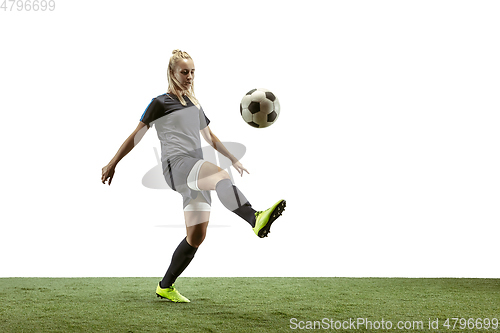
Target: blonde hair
x,y
173,84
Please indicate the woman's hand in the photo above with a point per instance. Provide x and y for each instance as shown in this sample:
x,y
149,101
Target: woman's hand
x,y
107,172
239,167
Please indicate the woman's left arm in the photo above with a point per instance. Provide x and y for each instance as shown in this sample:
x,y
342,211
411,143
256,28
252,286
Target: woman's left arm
x,y
214,141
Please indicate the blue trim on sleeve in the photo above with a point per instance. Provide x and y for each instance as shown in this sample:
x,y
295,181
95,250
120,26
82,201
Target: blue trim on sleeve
x,y
142,117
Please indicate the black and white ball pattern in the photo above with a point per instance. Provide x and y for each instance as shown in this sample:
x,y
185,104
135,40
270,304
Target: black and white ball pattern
x,y
260,108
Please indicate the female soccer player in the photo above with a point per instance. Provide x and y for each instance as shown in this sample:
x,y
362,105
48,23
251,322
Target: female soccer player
x,y
179,119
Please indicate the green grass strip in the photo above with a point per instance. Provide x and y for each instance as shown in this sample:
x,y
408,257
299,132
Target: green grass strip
x,y
242,304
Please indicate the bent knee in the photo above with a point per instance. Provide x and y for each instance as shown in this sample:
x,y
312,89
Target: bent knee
x,y
196,240
196,235
224,175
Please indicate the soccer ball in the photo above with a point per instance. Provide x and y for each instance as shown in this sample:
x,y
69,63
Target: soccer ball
x,y
259,108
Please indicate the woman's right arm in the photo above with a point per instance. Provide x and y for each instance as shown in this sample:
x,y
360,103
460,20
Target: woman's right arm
x,y
109,170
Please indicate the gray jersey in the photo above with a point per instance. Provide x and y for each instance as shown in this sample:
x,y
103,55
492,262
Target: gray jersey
x,y
178,128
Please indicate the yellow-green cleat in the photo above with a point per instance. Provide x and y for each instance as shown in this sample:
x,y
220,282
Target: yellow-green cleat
x,y
171,294
264,219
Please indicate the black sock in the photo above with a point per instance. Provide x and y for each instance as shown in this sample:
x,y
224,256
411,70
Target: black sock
x,y
247,213
232,198
180,260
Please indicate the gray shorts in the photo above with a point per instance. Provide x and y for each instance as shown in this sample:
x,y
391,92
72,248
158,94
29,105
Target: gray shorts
x,y
181,174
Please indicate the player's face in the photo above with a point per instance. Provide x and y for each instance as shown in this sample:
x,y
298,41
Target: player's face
x,y
184,73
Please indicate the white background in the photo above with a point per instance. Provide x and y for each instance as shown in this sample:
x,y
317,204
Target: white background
x,y
386,148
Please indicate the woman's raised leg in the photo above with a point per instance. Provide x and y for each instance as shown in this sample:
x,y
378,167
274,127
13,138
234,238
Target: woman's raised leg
x,y
211,177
